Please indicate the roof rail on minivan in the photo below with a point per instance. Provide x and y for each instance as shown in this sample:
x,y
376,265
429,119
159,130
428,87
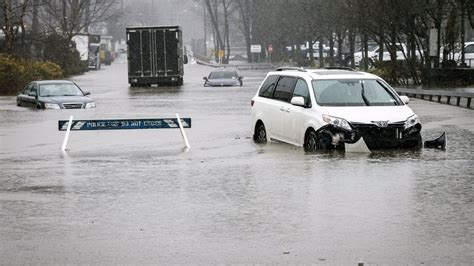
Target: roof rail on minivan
x,y
291,68
339,68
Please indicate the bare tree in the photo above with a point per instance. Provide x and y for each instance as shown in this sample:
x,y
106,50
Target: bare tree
x,y
212,9
246,14
68,18
220,9
13,23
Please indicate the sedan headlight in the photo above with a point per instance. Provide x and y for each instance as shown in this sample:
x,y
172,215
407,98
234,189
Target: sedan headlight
x,y
90,105
411,121
51,106
337,122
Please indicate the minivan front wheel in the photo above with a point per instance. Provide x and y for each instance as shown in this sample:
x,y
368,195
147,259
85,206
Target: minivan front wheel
x,y
310,141
260,134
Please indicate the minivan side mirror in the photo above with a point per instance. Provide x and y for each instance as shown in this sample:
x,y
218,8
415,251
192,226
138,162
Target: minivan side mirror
x,y
204,78
405,99
241,77
87,93
298,101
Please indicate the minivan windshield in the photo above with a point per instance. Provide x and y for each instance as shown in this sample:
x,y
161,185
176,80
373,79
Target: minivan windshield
x,y
350,92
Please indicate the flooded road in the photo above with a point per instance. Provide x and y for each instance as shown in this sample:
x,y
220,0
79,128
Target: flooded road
x,y
137,196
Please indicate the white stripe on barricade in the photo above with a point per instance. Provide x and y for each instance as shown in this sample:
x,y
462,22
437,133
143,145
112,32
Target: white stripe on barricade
x,y
66,137
186,142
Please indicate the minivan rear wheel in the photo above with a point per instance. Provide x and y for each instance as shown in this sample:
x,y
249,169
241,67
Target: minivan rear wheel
x,y
260,134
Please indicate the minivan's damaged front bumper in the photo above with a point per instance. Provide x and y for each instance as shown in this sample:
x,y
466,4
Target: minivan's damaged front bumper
x,y
386,136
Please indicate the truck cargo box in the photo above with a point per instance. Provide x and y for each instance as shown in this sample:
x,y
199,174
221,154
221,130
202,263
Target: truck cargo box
x,y
155,56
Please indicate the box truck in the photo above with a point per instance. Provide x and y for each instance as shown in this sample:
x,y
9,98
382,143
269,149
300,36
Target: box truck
x,y
94,52
155,56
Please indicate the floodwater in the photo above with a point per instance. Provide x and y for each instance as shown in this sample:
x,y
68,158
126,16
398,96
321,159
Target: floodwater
x,y
139,197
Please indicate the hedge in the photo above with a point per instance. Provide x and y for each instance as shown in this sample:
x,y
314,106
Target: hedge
x,y
15,73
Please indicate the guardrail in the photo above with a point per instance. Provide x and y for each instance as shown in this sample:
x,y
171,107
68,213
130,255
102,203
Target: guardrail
x,y
442,96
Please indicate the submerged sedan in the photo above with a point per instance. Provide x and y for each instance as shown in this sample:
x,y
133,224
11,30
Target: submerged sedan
x,y
54,94
223,77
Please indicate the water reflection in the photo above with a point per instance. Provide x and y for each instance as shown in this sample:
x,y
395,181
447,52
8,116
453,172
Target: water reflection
x,y
152,91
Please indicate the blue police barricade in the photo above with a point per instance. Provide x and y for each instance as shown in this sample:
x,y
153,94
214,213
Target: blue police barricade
x,y
119,124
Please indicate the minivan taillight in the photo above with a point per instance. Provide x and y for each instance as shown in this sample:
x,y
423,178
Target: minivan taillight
x,y
252,102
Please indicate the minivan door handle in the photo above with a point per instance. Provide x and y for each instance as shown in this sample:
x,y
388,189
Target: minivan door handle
x,y
282,109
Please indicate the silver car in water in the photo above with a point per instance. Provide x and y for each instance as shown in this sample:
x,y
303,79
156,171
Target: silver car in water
x,y
54,94
223,77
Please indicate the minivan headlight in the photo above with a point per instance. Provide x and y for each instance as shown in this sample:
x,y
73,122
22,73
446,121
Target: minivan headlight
x,y
90,105
411,121
337,122
51,106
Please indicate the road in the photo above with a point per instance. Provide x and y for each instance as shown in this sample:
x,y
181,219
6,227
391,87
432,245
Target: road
x,y
139,197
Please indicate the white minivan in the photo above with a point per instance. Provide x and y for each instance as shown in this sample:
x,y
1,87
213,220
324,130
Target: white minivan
x,y
328,108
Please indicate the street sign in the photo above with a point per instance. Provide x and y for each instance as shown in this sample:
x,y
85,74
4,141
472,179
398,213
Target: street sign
x,y
94,38
255,48
123,124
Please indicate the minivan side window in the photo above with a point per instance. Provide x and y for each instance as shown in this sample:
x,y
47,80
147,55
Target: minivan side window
x,y
284,89
268,86
301,90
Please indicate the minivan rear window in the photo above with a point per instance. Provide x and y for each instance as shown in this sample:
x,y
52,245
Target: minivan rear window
x,y
268,86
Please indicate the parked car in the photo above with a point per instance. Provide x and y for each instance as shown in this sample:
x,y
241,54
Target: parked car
x,y
304,50
54,94
326,51
373,54
223,77
328,108
468,55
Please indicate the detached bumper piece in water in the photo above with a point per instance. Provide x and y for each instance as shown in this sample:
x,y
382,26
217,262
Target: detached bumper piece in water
x,y
359,146
439,143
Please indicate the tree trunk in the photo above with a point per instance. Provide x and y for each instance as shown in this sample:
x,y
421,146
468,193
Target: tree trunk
x,y
352,46
7,28
340,40
226,32
365,43
321,54
214,21
331,51
87,14
381,48
246,15
311,51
